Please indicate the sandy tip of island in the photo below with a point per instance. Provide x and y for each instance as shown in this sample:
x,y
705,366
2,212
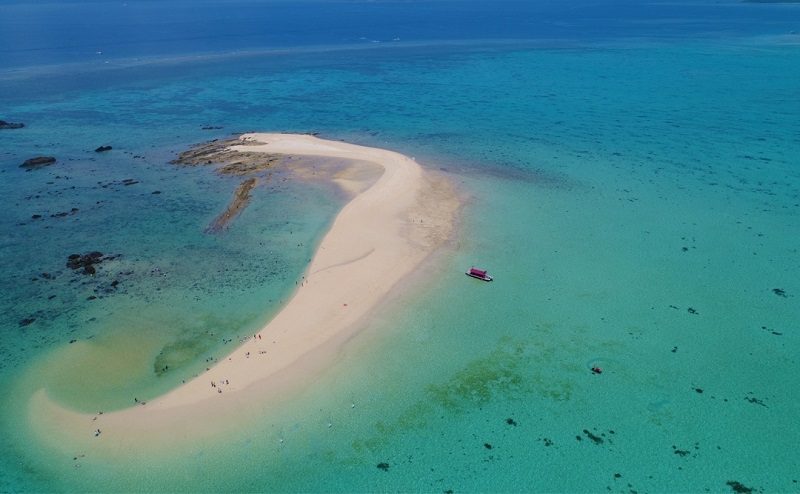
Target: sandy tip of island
x,y
388,229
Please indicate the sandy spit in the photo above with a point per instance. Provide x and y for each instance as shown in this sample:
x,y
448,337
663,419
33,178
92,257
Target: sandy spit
x,y
379,238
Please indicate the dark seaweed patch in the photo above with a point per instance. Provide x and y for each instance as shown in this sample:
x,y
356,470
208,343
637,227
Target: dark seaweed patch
x,y
776,333
505,372
595,438
180,353
498,374
487,446
383,466
685,452
756,401
739,487
511,421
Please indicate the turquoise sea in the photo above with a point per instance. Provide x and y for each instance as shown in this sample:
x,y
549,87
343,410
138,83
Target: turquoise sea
x,y
632,181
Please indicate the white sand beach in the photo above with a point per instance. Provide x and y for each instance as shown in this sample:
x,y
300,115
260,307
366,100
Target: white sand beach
x,y
380,237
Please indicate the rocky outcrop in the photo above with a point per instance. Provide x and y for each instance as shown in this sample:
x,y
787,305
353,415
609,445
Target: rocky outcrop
x,y
103,149
10,125
238,163
240,200
38,162
216,152
206,153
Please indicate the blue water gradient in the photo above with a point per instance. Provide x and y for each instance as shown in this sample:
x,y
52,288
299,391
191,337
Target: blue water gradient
x,y
39,33
632,182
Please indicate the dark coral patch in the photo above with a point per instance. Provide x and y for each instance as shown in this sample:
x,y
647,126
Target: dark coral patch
x,y
739,488
595,438
756,401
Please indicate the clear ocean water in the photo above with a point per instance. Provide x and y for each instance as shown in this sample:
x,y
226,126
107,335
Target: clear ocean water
x,y
632,172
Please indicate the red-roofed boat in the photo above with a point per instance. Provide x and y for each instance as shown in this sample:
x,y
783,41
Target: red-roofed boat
x,y
479,273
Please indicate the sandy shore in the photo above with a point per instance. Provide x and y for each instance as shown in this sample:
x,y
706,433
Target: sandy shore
x,y
386,231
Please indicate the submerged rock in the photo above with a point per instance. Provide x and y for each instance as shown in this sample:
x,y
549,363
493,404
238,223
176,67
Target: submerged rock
x,y
10,125
594,437
37,162
738,487
103,149
779,292
85,261
240,200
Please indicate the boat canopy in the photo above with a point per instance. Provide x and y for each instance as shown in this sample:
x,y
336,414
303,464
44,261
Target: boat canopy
x,y
477,272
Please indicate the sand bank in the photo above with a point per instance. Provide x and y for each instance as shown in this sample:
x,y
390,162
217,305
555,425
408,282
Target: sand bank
x,y
380,237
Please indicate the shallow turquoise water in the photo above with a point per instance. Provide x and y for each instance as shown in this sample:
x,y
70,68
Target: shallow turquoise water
x,y
636,202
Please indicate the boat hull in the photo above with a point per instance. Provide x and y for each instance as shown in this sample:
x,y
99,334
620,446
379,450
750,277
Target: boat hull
x,y
484,277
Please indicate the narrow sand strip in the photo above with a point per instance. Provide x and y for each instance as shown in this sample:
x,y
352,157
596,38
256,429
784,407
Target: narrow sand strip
x,y
377,239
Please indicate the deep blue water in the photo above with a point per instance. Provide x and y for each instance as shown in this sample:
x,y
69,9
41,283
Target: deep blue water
x,y
36,33
632,169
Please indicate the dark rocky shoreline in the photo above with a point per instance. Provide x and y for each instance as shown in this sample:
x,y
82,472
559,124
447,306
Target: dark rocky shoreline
x,y
237,163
